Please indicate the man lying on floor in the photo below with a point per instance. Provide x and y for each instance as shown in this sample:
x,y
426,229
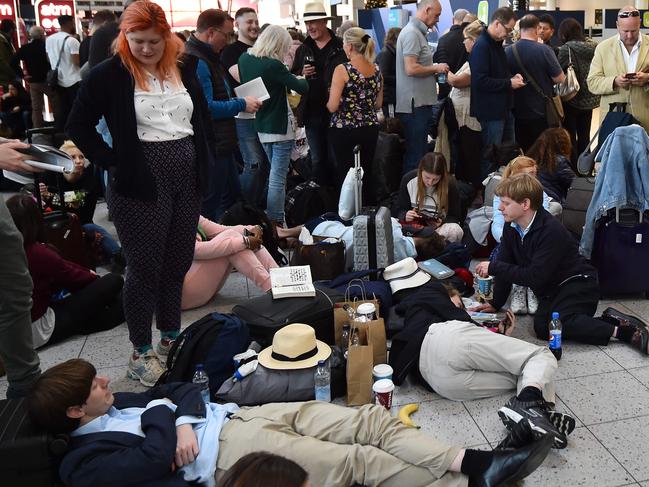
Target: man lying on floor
x,y
462,361
168,436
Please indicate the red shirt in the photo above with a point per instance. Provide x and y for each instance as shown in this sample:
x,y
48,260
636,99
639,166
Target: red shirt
x,y
50,273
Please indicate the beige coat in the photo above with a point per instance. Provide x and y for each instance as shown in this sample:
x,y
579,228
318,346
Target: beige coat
x,y
608,63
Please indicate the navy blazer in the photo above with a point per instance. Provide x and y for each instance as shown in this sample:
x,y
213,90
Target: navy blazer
x,y
108,91
124,459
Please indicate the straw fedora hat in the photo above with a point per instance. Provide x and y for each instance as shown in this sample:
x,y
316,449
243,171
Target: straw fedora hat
x,y
294,347
315,11
405,274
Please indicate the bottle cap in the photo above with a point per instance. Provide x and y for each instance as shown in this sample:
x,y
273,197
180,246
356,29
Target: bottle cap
x,y
199,366
321,362
555,315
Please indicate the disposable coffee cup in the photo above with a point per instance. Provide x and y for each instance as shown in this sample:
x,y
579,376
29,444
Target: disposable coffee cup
x,y
368,310
382,371
383,390
485,285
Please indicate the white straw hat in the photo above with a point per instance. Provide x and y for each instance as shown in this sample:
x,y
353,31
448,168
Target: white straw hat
x,y
294,347
315,11
405,274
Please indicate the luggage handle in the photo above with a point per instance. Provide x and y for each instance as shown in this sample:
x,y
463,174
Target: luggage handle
x,y
358,180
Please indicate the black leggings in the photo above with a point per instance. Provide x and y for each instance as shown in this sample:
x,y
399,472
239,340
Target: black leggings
x,y
96,307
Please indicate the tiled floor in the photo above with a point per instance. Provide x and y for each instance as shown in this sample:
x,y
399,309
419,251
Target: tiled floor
x,y
605,388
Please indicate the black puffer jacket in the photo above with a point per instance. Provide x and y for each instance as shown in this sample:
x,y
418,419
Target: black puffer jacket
x,y
582,53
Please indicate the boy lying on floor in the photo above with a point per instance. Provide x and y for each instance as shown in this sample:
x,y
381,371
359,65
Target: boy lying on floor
x,y
168,436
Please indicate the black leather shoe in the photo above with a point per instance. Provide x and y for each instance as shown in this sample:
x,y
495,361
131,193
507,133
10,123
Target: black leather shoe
x,y
510,466
617,318
519,436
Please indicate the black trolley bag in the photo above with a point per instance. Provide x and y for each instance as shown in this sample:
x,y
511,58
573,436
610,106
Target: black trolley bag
x,y
265,316
28,456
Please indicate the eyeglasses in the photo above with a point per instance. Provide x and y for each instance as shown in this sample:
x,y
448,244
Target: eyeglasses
x,y
509,30
628,13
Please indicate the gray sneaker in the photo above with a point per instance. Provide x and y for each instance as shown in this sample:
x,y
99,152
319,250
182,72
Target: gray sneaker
x,y
147,368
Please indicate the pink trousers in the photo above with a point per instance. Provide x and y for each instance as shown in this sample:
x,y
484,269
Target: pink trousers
x,y
206,277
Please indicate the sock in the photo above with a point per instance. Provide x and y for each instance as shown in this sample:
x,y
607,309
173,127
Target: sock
x,y
143,349
624,333
170,334
530,393
476,462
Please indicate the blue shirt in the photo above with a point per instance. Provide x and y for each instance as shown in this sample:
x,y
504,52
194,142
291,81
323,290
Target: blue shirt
x,y
219,109
498,222
207,431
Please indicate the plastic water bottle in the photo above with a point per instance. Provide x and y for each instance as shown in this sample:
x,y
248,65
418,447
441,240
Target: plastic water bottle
x,y
345,338
555,335
322,378
201,378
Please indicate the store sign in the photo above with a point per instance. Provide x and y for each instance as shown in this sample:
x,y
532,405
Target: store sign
x,y
47,12
8,10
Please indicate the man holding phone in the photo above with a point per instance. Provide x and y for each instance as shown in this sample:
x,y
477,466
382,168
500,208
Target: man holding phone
x,y
628,49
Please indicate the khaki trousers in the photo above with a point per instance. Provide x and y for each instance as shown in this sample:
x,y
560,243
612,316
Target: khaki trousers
x,y
340,446
462,361
37,92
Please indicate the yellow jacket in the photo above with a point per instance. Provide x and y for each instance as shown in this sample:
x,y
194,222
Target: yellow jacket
x,y
608,62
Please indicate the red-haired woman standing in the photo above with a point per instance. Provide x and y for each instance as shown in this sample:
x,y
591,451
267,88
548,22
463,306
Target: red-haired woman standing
x,y
157,116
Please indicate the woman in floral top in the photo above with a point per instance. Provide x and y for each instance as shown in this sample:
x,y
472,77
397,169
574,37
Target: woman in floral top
x,y
356,94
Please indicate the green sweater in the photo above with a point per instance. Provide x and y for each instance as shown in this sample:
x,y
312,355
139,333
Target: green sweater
x,y
272,117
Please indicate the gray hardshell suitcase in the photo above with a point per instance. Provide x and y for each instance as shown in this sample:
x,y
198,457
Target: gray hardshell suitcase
x,y
576,205
373,243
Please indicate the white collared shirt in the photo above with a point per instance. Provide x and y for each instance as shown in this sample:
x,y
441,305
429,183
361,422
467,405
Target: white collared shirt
x,y
630,59
163,113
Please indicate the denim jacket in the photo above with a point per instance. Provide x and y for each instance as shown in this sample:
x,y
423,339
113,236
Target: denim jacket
x,y
623,180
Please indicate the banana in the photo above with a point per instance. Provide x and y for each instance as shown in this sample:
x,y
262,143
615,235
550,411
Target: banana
x,y
405,412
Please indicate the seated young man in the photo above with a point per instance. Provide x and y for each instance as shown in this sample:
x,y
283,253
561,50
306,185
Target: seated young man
x,y
538,252
461,360
168,436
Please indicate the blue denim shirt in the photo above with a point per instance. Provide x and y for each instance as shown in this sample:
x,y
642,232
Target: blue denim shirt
x,y
623,180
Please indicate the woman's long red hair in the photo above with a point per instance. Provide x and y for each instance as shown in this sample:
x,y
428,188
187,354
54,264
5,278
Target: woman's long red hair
x,y
145,15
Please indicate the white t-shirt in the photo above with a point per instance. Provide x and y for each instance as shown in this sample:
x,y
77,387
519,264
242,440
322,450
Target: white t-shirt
x,y
43,328
69,73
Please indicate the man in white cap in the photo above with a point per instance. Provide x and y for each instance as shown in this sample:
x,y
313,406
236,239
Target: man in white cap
x,y
316,59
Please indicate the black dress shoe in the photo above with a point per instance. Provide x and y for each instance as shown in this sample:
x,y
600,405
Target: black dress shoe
x,y
510,466
617,318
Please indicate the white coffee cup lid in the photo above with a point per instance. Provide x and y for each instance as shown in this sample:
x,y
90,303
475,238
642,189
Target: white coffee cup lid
x,y
383,385
366,308
382,370
485,278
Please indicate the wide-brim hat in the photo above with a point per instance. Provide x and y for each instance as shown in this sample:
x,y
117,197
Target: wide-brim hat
x,y
294,347
405,274
315,11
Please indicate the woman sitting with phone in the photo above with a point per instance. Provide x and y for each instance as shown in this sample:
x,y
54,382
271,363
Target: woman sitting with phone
x,y
218,249
428,197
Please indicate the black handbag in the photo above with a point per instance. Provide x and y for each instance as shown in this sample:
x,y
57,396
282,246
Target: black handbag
x,y
327,260
52,76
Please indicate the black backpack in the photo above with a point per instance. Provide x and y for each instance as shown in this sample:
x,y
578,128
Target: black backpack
x,y
308,200
212,341
242,213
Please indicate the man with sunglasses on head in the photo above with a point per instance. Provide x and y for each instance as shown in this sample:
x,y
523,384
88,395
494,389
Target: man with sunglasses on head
x,y
629,50
492,84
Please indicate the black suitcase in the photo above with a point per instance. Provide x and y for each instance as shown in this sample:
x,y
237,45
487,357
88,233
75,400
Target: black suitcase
x,y
265,316
28,457
620,252
577,201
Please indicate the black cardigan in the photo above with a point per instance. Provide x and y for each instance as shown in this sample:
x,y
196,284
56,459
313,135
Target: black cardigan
x,y
108,91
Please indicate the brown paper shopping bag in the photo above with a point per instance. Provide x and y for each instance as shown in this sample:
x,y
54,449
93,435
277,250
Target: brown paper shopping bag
x,y
341,318
359,372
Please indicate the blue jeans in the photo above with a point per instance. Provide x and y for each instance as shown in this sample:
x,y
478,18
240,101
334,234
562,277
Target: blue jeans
x,y
416,126
495,132
223,187
255,168
108,244
279,155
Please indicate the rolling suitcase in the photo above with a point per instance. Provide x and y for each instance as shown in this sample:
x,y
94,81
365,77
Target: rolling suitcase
x,y
620,252
264,316
373,242
28,456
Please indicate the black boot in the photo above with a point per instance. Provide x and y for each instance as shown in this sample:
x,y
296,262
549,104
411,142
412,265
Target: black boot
x,y
617,318
638,335
510,466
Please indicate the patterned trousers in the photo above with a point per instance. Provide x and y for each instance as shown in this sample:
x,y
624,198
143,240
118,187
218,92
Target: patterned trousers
x,y
158,238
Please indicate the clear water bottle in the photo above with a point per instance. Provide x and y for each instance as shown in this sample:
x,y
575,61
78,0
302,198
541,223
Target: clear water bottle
x,y
441,78
322,379
555,335
201,378
345,338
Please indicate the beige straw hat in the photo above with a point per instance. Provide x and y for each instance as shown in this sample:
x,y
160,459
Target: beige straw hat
x,y
294,347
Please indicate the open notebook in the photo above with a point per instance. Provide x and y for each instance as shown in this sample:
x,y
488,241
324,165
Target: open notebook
x,y
292,282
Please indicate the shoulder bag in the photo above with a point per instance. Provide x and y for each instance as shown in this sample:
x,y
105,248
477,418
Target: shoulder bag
x,y
553,106
569,87
52,77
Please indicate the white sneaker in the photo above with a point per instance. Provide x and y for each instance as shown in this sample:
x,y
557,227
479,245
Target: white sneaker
x,y
519,300
163,347
532,302
146,368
